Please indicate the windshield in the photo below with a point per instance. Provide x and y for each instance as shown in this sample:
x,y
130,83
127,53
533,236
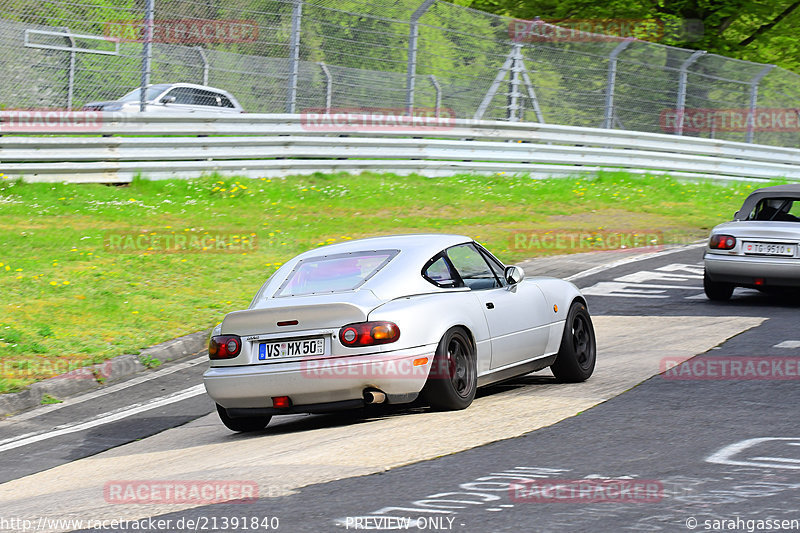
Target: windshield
x,y
334,273
149,94
777,209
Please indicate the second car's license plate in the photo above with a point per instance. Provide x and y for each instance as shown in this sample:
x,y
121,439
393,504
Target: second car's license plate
x,y
768,248
299,348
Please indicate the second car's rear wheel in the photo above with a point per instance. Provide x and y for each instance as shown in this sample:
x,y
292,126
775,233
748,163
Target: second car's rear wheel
x,y
717,290
453,378
250,423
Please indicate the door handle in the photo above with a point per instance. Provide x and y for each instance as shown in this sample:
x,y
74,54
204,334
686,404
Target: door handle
x,y
489,305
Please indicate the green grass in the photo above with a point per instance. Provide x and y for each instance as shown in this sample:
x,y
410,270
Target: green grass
x,y
68,300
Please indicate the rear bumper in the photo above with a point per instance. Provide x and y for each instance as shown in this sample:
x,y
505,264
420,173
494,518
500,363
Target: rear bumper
x,y
320,381
743,270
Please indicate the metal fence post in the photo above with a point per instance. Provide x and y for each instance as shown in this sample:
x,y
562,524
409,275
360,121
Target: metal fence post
x,y
203,56
328,86
438,89
751,119
413,36
294,56
147,51
71,75
681,104
612,80
513,97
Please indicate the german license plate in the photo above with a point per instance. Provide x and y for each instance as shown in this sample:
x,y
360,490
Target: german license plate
x,y
768,248
298,348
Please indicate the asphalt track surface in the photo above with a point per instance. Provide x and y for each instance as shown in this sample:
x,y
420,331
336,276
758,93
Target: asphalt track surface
x,y
714,450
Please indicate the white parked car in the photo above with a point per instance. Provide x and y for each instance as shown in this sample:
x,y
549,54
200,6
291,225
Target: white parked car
x,y
387,319
172,98
760,248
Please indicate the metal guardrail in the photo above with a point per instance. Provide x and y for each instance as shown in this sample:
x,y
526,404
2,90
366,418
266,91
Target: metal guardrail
x,y
118,147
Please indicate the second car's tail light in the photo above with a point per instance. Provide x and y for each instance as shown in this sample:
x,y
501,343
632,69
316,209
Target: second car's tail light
x,y
224,346
369,333
722,242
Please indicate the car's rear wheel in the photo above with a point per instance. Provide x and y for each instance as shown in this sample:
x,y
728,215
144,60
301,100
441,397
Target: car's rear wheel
x,y
578,351
250,423
453,379
717,290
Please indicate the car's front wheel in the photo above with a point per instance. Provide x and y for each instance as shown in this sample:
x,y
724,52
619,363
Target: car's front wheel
x,y
716,290
453,378
578,351
250,423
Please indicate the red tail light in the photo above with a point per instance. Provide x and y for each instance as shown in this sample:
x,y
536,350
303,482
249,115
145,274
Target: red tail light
x,y
224,346
722,242
369,333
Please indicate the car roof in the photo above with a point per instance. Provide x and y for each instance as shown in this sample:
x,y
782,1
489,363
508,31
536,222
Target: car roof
x,y
791,190
402,276
421,245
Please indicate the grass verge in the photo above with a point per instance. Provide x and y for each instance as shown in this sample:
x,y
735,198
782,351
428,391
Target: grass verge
x,y
72,297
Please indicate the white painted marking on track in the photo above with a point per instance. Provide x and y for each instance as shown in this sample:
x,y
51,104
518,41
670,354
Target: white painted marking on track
x,y
735,454
788,344
105,418
633,259
107,390
651,283
633,290
701,296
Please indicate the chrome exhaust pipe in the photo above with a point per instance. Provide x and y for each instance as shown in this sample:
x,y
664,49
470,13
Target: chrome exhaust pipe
x,y
374,396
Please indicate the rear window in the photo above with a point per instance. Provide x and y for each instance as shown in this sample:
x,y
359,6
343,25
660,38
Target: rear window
x,y
334,273
777,209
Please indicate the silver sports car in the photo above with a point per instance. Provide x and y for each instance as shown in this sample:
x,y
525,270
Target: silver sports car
x,y
759,249
388,319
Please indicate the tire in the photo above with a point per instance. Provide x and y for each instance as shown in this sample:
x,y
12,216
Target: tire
x,y
453,379
578,351
250,423
715,290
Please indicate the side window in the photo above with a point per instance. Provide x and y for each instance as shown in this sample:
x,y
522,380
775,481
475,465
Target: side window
x,y
225,102
438,272
207,98
182,95
497,267
472,267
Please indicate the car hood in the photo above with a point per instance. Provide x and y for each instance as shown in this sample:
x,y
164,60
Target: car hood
x,y
311,312
759,229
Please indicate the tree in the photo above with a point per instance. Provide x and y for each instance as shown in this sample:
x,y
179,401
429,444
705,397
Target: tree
x,y
755,30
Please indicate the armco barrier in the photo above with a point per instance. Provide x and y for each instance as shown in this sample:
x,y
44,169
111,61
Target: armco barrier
x,y
158,146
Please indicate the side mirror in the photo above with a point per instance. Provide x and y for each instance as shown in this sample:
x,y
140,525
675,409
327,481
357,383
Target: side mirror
x,y
736,215
514,275
168,100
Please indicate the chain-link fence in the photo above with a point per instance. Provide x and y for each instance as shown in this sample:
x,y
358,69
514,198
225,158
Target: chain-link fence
x,y
281,56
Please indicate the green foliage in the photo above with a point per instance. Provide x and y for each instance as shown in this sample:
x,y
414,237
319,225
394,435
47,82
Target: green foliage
x,y
49,400
755,30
